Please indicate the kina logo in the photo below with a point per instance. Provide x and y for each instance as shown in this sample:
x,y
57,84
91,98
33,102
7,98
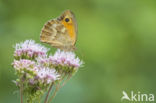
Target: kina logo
x,y
134,97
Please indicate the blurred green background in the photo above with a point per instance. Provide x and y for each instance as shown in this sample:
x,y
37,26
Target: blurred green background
x,y
116,40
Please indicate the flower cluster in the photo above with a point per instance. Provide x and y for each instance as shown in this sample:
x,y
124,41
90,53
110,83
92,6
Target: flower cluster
x,y
29,49
47,75
63,62
28,67
23,64
66,59
36,70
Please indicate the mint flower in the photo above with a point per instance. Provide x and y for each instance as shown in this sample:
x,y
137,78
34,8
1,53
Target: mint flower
x,y
37,72
66,61
23,64
47,75
29,49
43,61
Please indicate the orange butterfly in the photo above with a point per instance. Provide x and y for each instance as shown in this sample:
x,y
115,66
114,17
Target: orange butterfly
x,y
61,32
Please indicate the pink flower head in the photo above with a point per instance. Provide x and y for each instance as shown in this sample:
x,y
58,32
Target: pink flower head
x,y
65,59
30,49
23,64
47,75
43,61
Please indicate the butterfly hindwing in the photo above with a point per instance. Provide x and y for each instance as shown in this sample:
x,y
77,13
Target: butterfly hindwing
x,y
49,31
59,33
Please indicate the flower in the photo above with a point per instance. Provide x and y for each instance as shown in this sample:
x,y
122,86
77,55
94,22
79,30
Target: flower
x,y
23,64
43,74
29,49
37,71
47,75
65,59
43,61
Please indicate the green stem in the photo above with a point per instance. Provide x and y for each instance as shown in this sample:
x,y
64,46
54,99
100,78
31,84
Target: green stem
x,y
66,80
57,88
50,88
21,93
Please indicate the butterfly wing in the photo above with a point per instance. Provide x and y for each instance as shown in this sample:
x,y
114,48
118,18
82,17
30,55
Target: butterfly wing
x,y
70,25
60,34
48,32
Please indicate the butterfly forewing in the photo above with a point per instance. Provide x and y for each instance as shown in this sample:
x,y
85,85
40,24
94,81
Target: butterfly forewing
x,y
56,33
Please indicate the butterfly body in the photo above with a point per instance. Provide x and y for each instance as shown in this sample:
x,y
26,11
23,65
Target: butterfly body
x,y
61,32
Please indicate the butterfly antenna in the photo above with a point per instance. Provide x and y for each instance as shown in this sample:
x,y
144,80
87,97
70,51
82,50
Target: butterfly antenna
x,y
80,52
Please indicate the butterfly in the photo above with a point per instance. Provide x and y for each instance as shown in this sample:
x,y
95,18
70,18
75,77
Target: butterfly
x,y
61,32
